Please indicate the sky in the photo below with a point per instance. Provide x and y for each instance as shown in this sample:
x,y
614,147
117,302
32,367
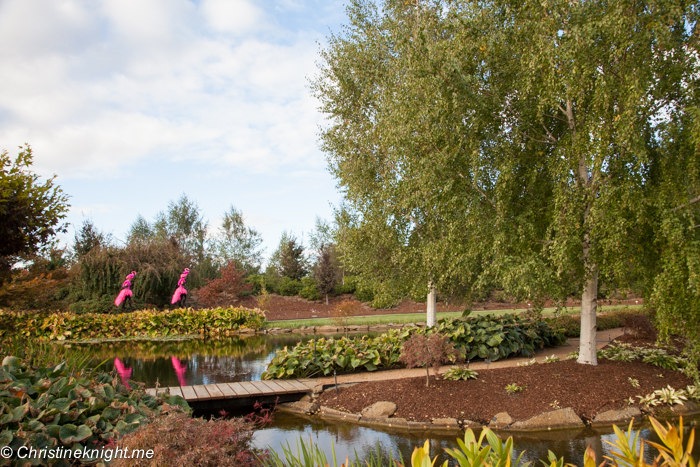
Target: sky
x,y
131,103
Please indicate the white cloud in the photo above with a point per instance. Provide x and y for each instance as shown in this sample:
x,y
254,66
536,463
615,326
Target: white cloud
x,y
95,86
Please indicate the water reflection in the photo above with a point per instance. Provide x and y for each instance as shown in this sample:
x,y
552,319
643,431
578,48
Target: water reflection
x,y
351,440
193,361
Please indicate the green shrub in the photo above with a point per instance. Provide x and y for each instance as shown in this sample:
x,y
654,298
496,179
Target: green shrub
x,y
289,287
571,324
349,285
364,294
47,407
480,336
144,323
309,290
103,304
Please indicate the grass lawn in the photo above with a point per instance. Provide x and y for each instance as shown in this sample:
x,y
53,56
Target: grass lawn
x,y
421,317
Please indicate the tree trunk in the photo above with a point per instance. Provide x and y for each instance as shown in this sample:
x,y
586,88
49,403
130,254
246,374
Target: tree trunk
x,y
427,376
431,305
326,299
587,353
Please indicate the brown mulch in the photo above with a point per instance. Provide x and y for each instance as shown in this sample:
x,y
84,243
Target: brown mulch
x,y
587,389
281,307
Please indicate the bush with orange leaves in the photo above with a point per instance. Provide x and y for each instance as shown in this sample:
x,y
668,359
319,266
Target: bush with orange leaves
x,y
345,310
221,292
179,439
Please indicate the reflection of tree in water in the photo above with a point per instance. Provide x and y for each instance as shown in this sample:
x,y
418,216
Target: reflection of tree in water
x,y
205,361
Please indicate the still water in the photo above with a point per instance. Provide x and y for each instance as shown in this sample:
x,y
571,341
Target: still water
x,y
191,362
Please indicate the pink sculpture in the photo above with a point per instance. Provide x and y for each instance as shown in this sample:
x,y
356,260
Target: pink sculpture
x,y
126,293
124,373
179,370
180,295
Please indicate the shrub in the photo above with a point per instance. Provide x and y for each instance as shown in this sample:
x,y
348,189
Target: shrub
x,y
456,373
47,407
345,310
364,294
194,441
144,323
230,286
571,324
289,287
348,285
309,290
427,351
480,336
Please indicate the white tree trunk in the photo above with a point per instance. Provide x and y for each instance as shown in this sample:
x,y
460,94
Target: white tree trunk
x,y
589,304
432,316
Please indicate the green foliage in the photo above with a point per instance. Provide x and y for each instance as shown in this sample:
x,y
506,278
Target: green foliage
x,y
30,211
89,237
499,337
481,336
237,242
309,454
158,264
309,289
322,356
514,388
144,323
347,285
47,407
653,356
289,287
457,373
571,324
494,452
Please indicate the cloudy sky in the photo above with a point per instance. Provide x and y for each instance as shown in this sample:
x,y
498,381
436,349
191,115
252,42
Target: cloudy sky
x,y
132,103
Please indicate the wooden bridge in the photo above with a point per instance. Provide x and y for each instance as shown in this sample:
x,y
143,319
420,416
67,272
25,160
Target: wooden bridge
x,y
237,395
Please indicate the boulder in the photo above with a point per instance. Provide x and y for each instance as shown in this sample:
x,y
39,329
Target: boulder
x,y
687,407
501,420
562,418
379,410
298,407
610,417
326,328
450,423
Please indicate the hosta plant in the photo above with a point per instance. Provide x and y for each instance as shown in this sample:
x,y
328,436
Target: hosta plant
x,y
551,359
514,388
528,363
45,407
671,396
457,373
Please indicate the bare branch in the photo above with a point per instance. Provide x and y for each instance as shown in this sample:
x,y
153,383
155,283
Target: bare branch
x,y
692,201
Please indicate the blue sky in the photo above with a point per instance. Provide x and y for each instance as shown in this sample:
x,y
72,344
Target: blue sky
x,y
133,102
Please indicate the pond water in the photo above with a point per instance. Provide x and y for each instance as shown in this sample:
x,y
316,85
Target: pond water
x,y
198,361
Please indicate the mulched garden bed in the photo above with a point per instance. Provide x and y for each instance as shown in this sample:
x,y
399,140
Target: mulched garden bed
x,y
587,389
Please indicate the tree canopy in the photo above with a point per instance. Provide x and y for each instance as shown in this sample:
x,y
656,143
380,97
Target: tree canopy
x,y
30,211
523,142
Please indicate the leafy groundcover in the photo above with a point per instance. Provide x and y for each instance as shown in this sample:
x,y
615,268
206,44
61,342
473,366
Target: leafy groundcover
x,y
474,337
50,407
144,323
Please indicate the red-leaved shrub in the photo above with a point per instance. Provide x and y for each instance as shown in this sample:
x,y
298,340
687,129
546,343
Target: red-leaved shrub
x,y
426,351
180,440
219,292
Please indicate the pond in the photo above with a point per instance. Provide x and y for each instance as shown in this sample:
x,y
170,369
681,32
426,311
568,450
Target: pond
x,y
199,361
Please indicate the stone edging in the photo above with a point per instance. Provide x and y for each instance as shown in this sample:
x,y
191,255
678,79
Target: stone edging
x,y
560,419
326,329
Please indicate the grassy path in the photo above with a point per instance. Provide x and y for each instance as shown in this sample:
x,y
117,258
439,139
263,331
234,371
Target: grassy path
x,y
421,317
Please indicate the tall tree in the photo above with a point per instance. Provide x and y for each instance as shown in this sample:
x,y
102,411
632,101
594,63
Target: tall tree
x,y
183,221
325,271
507,141
238,242
89,237
30,211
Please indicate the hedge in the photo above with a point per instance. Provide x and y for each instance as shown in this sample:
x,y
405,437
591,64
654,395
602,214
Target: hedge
x,y
144,323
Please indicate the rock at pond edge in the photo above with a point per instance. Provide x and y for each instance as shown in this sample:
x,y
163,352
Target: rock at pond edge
x,y
562,418
500,420
610,417
381,409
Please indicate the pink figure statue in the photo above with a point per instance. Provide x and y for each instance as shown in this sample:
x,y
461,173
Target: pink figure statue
x,y
179,370
180,295
126,293
124,372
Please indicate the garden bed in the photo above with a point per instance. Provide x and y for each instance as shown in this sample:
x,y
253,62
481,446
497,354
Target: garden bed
x,y
588,390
